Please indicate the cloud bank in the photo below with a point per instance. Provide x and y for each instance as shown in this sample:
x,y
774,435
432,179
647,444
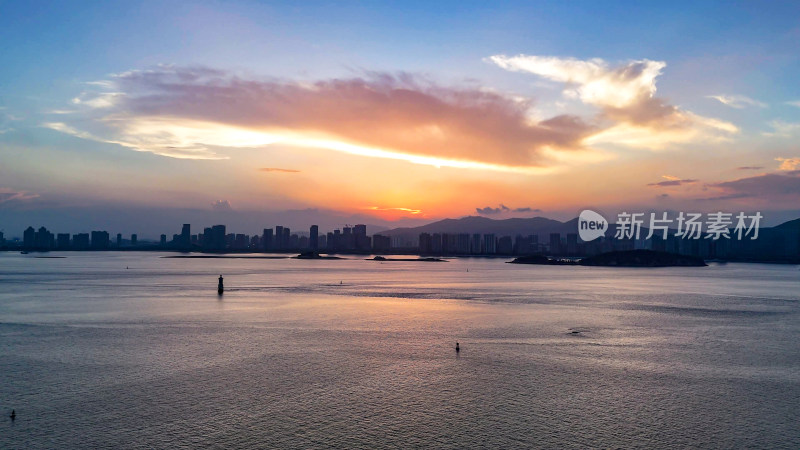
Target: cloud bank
x,y
488,210
203,113
771,186
625,96
187,112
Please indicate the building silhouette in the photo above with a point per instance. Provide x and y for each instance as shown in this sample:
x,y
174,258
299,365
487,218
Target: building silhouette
x,y
381,243
489,244
313,239
100,240
62,241
266,240
80,241
29,238
185,241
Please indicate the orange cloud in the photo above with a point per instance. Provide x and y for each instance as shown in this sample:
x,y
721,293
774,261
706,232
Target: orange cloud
x,y
178,111
278,169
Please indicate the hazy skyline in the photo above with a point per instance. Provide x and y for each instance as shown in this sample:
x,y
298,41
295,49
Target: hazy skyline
x,y
405,112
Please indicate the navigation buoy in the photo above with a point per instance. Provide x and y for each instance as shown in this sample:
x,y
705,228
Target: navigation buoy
x,y
458,349
220,287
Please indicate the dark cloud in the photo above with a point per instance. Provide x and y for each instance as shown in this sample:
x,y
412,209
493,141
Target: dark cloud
x,y
673,182
488,210
750,168
768,186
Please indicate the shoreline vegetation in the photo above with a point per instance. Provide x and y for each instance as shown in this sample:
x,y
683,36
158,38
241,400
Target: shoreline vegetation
x,y
629,258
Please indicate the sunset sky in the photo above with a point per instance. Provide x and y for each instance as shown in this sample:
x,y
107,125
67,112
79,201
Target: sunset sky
x,y
395,112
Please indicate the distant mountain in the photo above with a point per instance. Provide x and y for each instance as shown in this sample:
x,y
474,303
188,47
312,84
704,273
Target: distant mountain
x,y
792,225
483,225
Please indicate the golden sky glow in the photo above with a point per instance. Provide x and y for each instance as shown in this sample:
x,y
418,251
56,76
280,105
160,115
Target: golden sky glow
x,y
541,121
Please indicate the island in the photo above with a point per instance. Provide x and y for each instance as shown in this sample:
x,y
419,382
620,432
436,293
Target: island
x,y
629,258
315,255
382,258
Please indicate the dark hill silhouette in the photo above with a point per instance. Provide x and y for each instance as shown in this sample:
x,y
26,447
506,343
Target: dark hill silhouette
x,y
482,225
792,225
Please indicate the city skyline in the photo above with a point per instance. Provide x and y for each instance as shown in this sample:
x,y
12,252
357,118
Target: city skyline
x,y
394,115
745,241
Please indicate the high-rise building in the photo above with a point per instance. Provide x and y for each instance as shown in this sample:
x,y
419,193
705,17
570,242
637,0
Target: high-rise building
x,y
335,240
217,241
80,241
489,244
436,243
29,237
119,240
100,240
572,244
62,241
555,243
287,237
278,237
45,240
425,243
348,241
331,240
164,238
381,243
134,240
361,241
313,240
266,240
446,243
462,244
476,247
186,236
240,241
505,246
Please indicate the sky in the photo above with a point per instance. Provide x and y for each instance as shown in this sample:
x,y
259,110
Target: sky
x,y
137,116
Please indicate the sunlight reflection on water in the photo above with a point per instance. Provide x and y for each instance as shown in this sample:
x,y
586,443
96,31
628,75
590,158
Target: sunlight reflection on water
x,y
359,354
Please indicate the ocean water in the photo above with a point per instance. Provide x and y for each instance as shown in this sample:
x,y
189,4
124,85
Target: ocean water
x,y
134,350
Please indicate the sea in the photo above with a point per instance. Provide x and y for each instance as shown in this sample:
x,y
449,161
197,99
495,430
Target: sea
x,y
137,350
